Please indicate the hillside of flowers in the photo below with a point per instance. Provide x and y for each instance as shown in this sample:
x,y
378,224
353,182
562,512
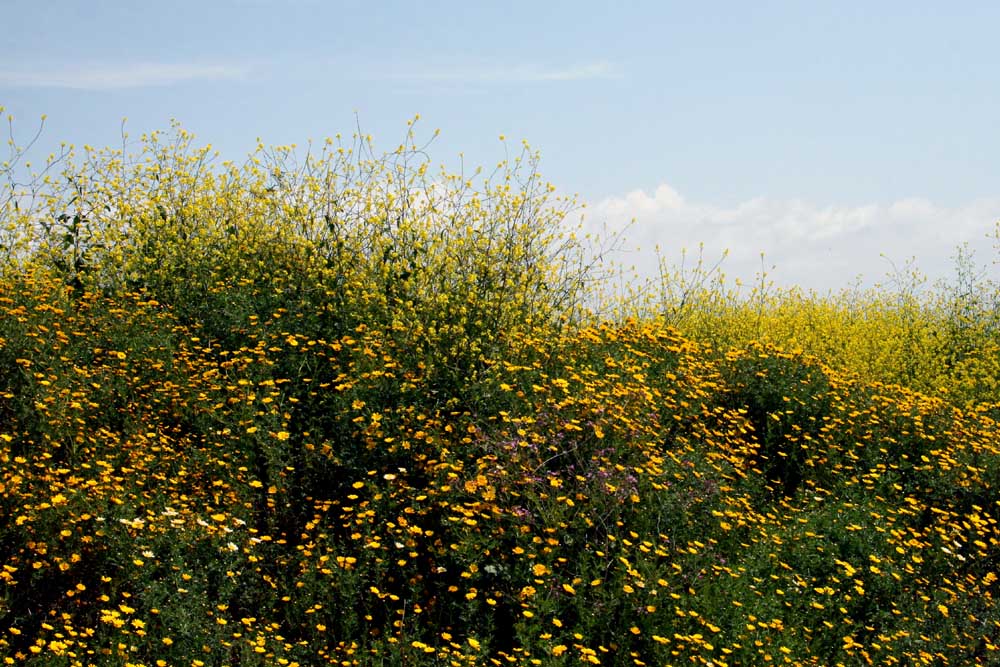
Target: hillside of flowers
x,y
333,407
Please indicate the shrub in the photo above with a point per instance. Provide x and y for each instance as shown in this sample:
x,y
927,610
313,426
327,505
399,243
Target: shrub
x,y
234,430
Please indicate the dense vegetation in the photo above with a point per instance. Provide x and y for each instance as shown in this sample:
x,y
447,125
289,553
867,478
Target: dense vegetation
x,y
331,409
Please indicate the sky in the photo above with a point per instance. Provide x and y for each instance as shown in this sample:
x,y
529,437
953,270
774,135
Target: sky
x,y
839,139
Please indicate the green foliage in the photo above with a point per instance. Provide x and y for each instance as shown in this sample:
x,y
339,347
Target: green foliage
x,y
337,411
785,399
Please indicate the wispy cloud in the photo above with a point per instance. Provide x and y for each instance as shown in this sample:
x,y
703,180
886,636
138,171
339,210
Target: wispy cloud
x,y
116,76
524,73
810,245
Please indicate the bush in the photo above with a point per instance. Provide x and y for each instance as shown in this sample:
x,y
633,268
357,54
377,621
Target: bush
x,y
341,235
327,415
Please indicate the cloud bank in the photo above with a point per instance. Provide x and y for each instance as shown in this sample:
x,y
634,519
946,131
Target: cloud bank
x,y
809,245
119,76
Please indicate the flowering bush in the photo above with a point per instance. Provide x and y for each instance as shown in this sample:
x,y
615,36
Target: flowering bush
x,y
346,414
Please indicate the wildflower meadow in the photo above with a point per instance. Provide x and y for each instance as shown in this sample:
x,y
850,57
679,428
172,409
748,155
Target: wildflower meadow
x,y
336,406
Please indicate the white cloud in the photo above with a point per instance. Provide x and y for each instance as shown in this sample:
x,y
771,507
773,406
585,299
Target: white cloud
x,y
526,73
116,76
812,246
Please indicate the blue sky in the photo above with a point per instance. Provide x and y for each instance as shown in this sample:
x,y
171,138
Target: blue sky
x,y
822,134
